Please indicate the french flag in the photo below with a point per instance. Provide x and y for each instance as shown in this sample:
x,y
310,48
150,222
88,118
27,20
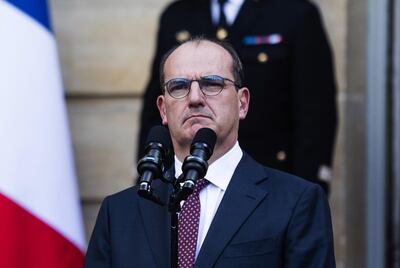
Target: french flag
x,y
40,216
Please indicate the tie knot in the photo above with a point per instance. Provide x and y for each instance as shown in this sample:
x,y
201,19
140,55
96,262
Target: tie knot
x,y
200,184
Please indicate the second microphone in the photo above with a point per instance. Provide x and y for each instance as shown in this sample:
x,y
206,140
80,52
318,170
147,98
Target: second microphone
x,y
195,165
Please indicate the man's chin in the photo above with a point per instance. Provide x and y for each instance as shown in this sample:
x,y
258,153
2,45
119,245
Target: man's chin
x,y
195,127
188,132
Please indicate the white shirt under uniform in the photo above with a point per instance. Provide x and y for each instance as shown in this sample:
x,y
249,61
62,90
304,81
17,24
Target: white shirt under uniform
x,y
219,175
231,10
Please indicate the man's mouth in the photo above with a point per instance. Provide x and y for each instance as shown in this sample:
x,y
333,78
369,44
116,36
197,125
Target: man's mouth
x,y
194,116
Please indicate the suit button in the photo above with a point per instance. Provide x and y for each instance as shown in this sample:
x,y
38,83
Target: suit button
x,y
182,36
262,57
281,156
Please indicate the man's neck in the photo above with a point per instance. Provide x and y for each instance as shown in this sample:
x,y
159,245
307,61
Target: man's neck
x,y
219,151
230,159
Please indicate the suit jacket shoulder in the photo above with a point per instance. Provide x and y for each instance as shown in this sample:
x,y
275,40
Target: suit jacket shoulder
x,y
269,217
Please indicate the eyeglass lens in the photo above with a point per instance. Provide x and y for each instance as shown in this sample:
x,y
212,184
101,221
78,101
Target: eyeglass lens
x,y
209,85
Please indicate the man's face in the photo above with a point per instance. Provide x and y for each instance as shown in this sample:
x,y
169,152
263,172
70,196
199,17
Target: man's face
x,y
187,115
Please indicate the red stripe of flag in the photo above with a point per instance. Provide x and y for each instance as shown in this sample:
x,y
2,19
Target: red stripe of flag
x,y
26,241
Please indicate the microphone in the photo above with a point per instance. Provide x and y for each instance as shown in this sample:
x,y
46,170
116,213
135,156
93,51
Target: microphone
x,y
152,164
195,165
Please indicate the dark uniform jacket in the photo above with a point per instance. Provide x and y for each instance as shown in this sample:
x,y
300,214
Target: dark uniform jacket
x,y
266,218
288,68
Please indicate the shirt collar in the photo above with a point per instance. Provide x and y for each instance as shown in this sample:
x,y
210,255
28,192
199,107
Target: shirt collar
x,y
220,171
232,8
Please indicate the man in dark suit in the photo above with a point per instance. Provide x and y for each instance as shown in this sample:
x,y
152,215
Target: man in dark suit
x,y
292,121
250,215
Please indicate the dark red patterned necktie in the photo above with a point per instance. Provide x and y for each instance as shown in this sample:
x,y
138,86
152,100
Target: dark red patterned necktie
x,y
188,227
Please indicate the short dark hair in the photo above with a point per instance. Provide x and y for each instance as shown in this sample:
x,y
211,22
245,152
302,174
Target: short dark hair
x,y
237,68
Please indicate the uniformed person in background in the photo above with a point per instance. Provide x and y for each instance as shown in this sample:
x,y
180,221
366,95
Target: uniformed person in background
x,y
288,65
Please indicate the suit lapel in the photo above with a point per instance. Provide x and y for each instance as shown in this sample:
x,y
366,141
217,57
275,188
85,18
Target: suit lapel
x,y
156,222
241,198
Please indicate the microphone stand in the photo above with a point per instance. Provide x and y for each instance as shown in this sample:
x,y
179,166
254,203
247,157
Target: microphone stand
x,y
174,207
194,166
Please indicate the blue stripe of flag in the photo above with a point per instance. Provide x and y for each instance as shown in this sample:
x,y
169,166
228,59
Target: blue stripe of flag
x,y
37,9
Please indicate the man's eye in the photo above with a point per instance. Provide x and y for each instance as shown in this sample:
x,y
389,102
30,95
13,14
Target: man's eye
x,y
213,83
178,86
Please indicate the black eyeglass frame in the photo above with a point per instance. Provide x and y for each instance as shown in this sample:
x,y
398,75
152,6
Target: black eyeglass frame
x,y
200,82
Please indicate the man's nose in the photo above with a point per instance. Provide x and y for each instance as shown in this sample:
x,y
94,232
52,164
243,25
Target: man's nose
x,y
195,93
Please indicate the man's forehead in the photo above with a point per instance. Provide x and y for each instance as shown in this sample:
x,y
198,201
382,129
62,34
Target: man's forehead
x,y
198,56
201,49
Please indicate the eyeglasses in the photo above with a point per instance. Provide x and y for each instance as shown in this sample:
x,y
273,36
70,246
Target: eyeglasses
x,y
210,85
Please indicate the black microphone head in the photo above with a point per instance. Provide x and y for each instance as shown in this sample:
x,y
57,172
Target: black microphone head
x,y
207,136
161,135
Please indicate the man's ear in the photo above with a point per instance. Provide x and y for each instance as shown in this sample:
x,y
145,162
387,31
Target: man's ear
x,y
244,101
161,109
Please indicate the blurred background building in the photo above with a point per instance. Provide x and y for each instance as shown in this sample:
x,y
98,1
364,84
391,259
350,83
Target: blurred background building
x,y
106,48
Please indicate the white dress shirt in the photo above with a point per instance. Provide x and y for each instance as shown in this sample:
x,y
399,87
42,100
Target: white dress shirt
x,y
231,9
219,175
